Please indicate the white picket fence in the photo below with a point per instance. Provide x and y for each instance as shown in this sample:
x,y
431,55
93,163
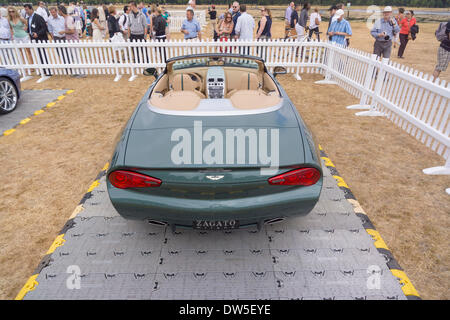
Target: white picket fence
x,y
407,97
176,23
131,58
178,16
200,15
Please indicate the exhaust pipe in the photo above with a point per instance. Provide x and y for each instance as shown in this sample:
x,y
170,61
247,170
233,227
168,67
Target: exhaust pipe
x,y
273,221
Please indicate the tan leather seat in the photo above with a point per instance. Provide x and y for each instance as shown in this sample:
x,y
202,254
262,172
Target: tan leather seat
x,y
253,99
183,82
176,100
247,81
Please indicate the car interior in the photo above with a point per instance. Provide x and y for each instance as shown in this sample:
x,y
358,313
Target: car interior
x,y
185,89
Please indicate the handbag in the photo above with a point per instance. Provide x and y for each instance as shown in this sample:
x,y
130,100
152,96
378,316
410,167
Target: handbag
x,y
117,37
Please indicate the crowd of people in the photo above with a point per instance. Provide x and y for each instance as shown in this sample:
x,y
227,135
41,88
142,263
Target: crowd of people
x,y
237,23
76,21
391,31
139,22
388,31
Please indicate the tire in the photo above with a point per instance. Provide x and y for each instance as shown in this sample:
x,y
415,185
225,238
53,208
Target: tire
x,y
8,96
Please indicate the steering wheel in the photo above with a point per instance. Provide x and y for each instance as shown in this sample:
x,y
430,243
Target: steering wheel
x,y
197,79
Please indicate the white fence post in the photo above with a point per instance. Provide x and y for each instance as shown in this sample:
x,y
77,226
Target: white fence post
x,y
381,77
298,52
329,64
132,59
370,74
21,61
439,170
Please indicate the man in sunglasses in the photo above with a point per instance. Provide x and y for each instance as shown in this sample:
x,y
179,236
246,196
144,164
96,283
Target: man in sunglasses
x,y
235,14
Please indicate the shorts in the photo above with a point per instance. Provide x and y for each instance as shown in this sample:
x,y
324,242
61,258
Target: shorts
x,y
300,32
287,25
443,59
78,25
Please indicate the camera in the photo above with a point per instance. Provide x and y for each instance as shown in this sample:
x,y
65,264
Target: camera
x,y
387,38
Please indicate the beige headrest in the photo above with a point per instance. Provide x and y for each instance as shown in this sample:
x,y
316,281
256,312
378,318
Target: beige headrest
x,y
183,82
249,81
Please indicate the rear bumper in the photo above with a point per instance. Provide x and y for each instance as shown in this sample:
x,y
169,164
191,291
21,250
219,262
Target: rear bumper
x,y
182,211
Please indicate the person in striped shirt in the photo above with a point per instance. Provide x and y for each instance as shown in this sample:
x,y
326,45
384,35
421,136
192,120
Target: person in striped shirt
x,y
340,29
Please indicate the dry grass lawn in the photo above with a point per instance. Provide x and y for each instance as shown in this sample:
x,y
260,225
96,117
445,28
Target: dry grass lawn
x,y
48,164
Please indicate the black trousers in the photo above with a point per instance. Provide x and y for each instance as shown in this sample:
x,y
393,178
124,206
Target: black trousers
x,y
136,37
244,50
403,42
162,48
61,51
315,30
43,57
143,50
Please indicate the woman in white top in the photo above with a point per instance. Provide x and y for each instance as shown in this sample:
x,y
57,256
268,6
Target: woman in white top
x,y
97,28
102,20
314,22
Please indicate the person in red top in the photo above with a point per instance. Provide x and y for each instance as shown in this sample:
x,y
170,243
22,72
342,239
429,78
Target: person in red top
x,y
412,22
413,19
405,26
399,18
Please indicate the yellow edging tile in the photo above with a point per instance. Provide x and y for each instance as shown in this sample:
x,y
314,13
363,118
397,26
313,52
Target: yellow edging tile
x,y
94,185
379,242
59,241
8,132
26,120
341,182
407,287
30,285
77,210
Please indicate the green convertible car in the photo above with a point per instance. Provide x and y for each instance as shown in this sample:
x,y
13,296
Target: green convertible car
x,y
215,143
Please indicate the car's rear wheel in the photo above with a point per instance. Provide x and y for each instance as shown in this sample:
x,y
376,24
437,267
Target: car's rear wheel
x,y
8,95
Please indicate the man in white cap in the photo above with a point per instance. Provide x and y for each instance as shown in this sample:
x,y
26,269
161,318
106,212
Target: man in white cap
x,y
191,5
5,29
384,31
4,11
340,29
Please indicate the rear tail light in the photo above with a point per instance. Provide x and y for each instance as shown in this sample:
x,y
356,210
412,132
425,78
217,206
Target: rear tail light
x,y
127,179
298,177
